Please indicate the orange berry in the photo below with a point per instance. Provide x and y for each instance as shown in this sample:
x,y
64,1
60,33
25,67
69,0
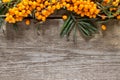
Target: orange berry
x,y
71,8
39,17
68,0
27,22
43,18
44,12
67,5
58,6
46,3
64,17
64,3
37,14
106,1
103,17
103,27
42,5
53,1
49,7
38,8
118,17
5,1
30,2
28,11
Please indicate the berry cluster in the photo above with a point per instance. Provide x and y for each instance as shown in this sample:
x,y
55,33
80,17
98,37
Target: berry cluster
x,y
43,8
114,6
82,7
23,9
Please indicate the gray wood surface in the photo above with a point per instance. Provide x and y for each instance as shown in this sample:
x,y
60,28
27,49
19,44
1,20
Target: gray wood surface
x,y
27,55
58,64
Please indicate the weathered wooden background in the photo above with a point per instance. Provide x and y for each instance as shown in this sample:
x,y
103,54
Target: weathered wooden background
x,y
30,54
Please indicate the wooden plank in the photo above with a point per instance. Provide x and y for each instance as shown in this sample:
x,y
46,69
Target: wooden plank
x,y
58,64
29,56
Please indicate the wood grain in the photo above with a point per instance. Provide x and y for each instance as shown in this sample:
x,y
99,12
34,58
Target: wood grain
x,y
28,56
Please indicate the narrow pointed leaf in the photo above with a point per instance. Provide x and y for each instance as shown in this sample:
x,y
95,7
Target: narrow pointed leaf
x,y
75,34
64,26
67,28
84,30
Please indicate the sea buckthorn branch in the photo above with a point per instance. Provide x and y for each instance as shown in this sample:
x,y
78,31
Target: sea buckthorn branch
x,y
78,13
45,8
109,8
84,26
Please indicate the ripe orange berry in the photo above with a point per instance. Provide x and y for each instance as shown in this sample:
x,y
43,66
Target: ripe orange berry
x,y
39,17
49,7
68,0
43,18
67,5
64,17
71,8
53,1
37,14
27,22
64,3
44,12
38,8
103,27
118,17
58,6
103,17
106,1
46,3
5,1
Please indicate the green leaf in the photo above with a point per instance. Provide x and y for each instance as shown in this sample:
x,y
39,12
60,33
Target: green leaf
x,y
70,29
89,25
64,26
75,34
89,29
84,25
68,26
81,31
86,32
92,29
